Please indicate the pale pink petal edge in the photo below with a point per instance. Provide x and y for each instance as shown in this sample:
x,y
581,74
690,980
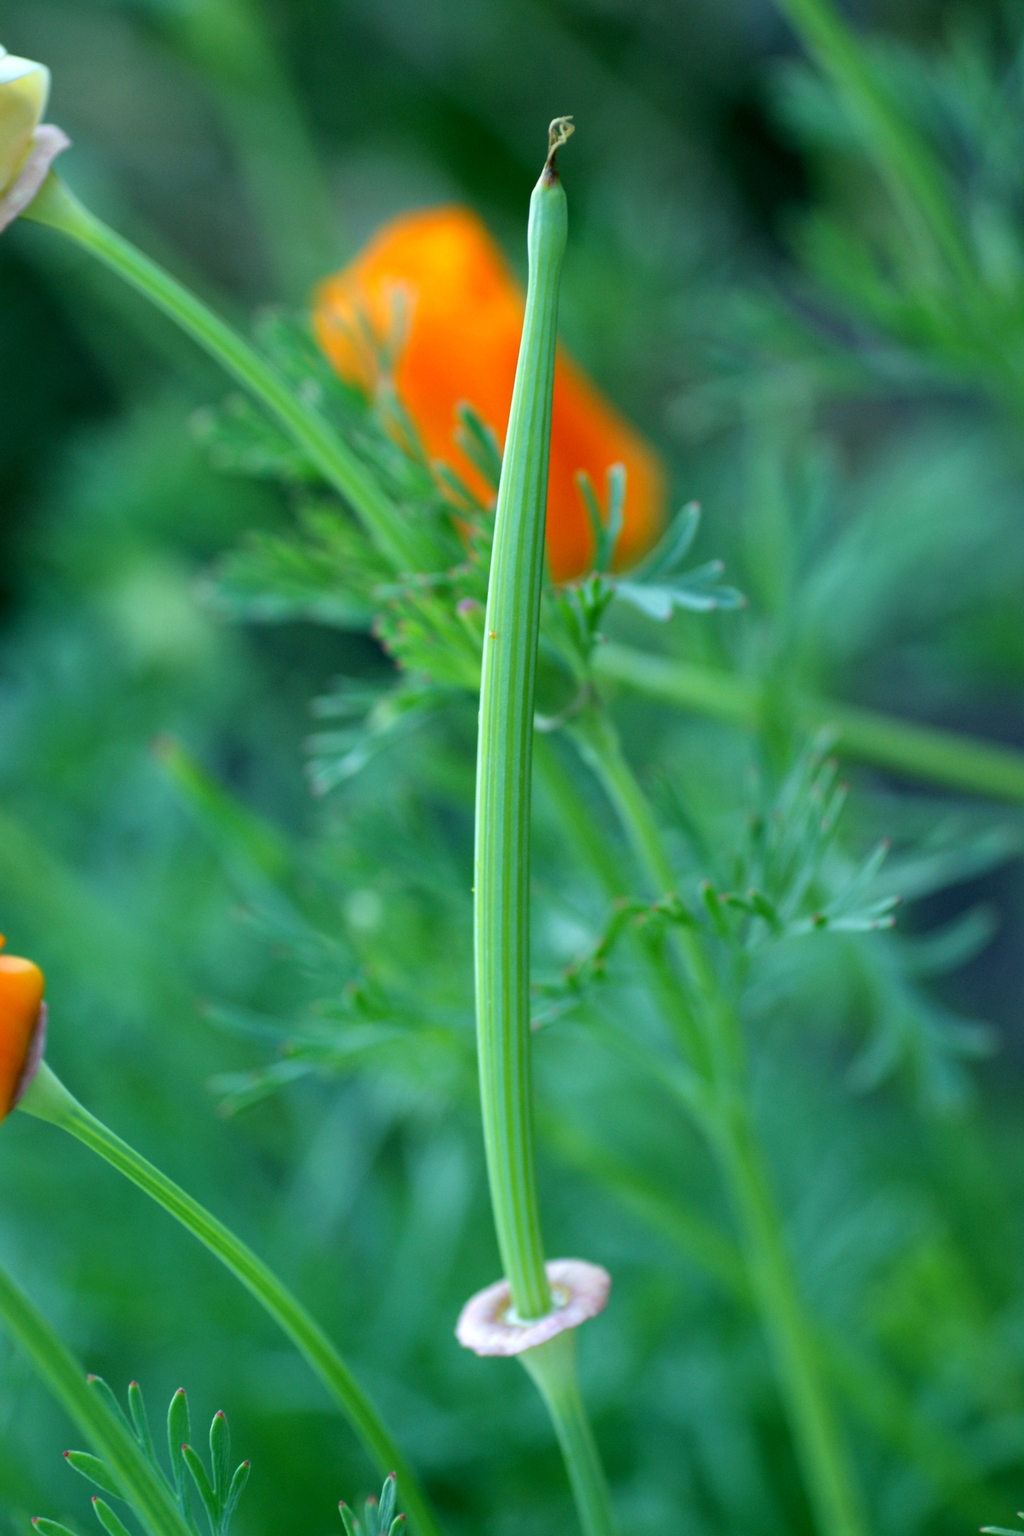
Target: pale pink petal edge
x,y
47,143
487,1323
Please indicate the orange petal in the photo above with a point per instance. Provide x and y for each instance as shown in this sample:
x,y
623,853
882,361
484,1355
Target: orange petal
x,y
21,995
463,315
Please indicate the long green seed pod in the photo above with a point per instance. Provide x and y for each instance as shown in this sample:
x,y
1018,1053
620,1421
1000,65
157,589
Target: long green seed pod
x,y
502,864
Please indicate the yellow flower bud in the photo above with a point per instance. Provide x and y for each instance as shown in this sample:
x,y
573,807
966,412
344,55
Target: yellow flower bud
x,y
24,88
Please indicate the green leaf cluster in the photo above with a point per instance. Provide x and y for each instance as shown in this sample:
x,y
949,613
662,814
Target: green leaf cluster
x,y
219,1489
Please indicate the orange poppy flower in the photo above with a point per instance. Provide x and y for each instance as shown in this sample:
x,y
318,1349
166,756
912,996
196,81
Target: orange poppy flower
x,y
22,1021
463,315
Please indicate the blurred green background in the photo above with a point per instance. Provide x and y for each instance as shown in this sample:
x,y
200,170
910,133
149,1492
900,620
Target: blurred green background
x,y
253,149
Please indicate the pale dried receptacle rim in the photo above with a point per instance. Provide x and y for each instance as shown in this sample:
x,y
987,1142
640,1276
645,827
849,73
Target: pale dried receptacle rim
x,y
488,1324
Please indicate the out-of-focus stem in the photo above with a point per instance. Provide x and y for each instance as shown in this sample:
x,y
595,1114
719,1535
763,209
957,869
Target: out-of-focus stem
x,y
48,1099
940,757
708,1031
408,548
148,1495
876,1399
791,1334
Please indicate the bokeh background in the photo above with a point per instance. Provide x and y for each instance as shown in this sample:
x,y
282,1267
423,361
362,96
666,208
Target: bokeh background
x,y
253,149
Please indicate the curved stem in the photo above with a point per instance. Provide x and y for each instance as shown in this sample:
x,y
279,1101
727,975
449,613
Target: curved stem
x,y
791,1335
48,1099
708,1030
408,548
143,1488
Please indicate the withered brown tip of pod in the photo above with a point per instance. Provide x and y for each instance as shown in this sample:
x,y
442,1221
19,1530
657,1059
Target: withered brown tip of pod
x,y
560,130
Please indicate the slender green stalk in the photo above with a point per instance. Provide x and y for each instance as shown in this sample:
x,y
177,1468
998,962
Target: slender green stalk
x,y
504,769
502,853
598,742
877,1400
941,757
708,1030
406,547
48,1099
553,1368
791,1334
573,816
703,1038
148,1495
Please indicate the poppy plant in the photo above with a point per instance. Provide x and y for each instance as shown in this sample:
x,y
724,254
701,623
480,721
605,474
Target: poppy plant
x,y
22,1027
435,285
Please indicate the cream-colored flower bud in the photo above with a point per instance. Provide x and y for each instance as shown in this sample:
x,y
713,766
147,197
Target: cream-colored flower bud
x,y
24,88
28,146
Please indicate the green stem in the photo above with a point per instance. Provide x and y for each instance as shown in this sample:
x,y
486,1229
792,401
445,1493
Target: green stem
x,y
598,742
708,1030
407,549
143,1488
941,757
791,1335
573,815
48,1099
553,1369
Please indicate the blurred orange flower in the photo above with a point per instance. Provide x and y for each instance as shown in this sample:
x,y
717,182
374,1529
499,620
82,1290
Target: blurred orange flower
x,y
21,1009
464,315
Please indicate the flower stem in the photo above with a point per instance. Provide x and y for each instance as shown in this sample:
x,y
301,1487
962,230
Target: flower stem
x,y
553,1369
142,1487
708,1032
48,1099
407,548
941,757
502,852
790,1332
